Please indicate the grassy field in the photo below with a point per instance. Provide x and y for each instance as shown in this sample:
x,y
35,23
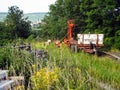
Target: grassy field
x,y
62,70
101,68
81,71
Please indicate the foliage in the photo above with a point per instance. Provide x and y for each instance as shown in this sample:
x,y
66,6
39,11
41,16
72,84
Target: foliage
x,y
94,16
4,34
14,26
4,58
20,25
44,78
16,61
102,69
63,70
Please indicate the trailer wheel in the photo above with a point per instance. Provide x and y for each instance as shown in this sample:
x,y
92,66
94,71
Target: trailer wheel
x,y
98,52
74,48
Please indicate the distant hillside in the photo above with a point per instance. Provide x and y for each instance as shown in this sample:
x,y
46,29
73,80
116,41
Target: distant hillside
x,y
2,15
33,17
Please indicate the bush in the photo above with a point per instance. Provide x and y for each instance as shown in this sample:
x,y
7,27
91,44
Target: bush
x,y
109,43
4,58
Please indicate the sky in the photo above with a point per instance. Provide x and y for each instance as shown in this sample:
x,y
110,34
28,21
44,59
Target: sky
x,y
28,6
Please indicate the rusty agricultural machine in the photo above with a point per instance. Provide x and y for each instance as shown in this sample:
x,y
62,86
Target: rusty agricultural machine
x,y
89,43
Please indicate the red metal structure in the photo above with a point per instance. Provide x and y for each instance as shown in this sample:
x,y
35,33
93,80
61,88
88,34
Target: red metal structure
x,y
70,39
70,29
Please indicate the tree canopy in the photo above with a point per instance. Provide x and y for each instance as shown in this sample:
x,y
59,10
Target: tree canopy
x,y
14,26
94,16
20,25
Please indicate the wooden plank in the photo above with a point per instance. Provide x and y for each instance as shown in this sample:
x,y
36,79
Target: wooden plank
x,y
113,54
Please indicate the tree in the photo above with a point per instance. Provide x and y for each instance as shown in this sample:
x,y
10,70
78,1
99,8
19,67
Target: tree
x,y
95,16
19,26
3,34
56,21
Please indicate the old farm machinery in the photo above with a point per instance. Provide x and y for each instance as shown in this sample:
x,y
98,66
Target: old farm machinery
x,y
89,43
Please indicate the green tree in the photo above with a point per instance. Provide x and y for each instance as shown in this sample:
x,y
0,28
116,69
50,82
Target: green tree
x,y
95,16
19,26
56,22
5,35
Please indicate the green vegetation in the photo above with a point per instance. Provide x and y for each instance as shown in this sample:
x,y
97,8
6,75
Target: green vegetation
x,y
94,16
102,69
62,70
14,26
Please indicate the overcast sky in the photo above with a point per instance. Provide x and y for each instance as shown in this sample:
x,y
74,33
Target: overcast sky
x,y
28,6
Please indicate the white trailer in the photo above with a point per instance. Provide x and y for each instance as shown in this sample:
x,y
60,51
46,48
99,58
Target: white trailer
x,y
90,38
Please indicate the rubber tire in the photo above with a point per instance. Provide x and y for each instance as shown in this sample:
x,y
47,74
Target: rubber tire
x,y
73,48
76,49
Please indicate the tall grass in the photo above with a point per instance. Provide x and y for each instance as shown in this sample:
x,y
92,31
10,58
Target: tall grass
x,y
63,70
102,69
18,62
